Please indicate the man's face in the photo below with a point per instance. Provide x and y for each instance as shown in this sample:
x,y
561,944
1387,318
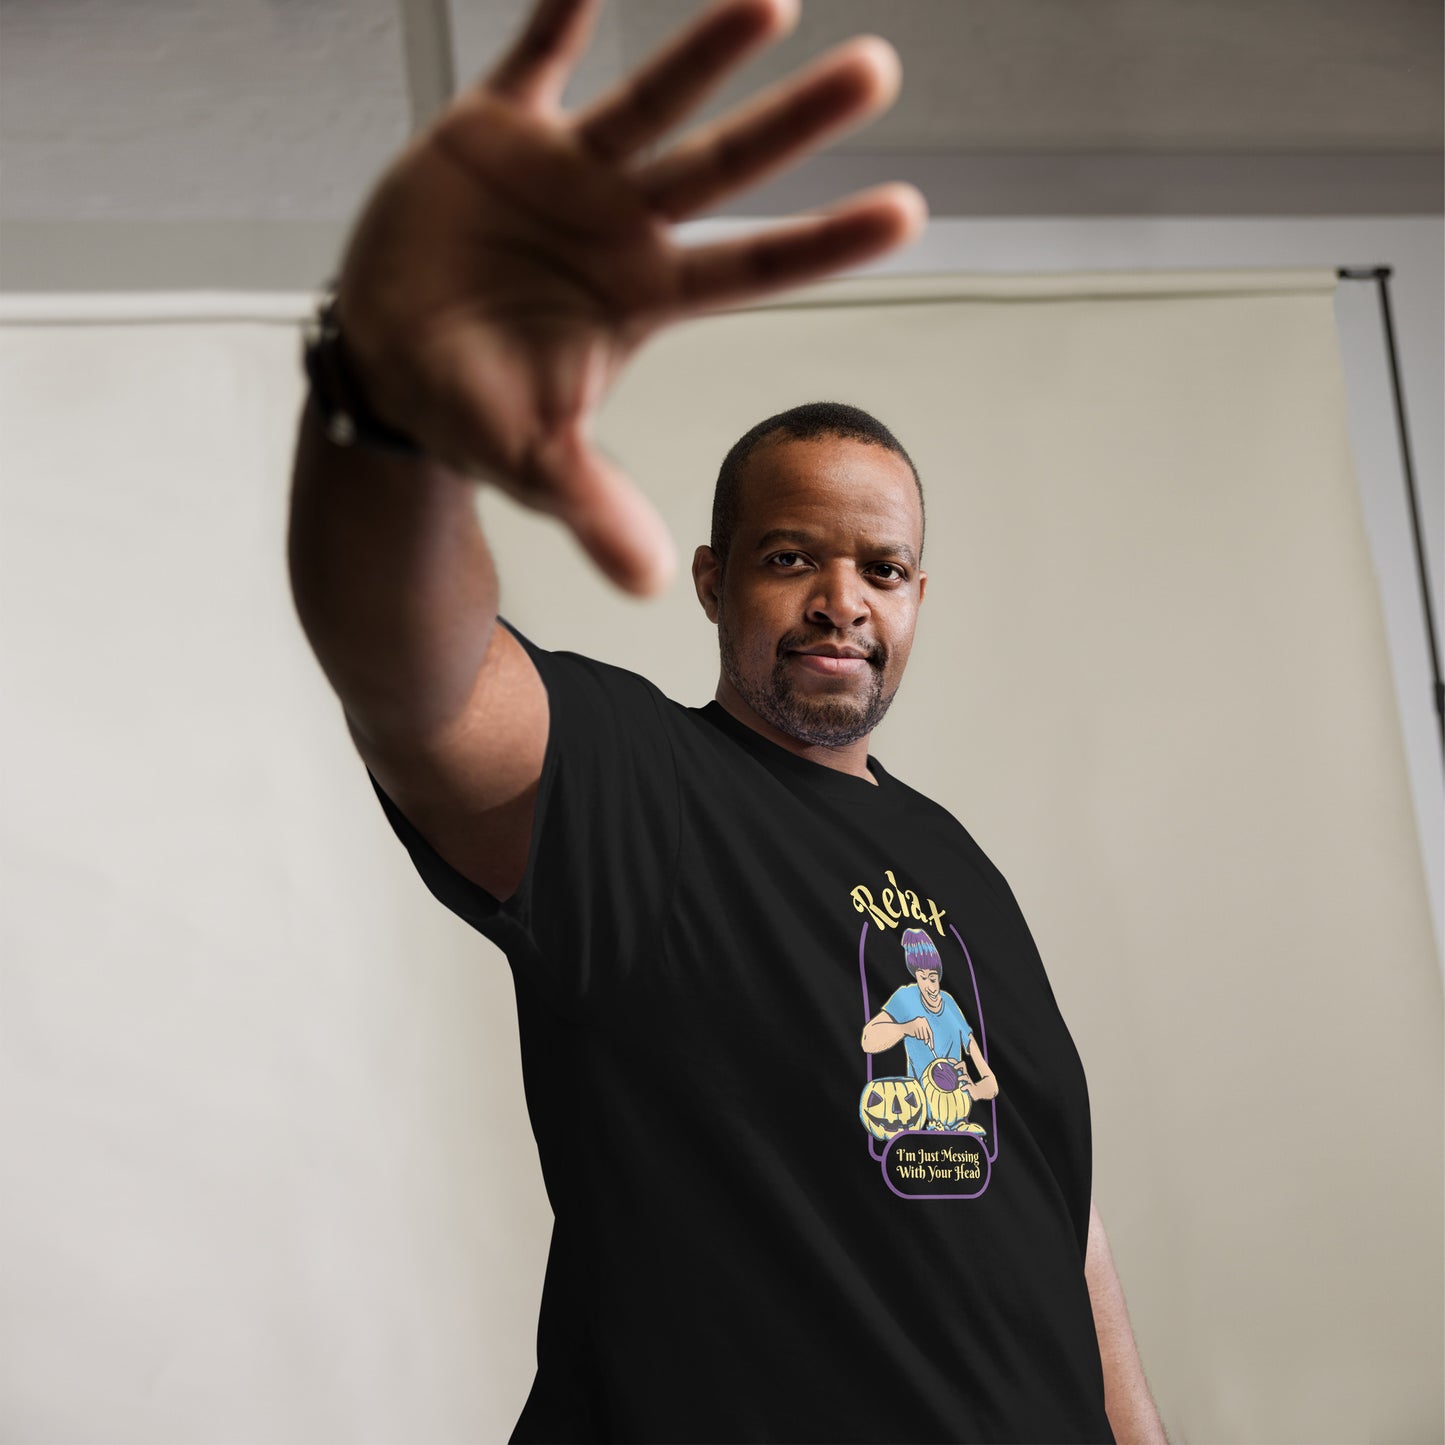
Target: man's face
x,y
928,985
819,598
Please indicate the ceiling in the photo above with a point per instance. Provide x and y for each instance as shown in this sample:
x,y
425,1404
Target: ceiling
x,y
122,116
1084,75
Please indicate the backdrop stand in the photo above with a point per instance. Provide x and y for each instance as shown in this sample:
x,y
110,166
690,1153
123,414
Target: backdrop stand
x,y
1381,276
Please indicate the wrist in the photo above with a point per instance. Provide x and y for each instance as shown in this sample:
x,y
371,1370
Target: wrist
x,y
337,392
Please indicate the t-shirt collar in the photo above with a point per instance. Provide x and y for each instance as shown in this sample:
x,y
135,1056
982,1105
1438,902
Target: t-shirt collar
x,y
835,784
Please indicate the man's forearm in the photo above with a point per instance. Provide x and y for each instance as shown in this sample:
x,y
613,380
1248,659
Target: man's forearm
x,y
392,580
1127,1401
880,1036
1130,1407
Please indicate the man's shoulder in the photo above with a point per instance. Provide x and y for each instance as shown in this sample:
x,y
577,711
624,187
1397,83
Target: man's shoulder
x,y
547,659
589,683
905,994
950,826
923,802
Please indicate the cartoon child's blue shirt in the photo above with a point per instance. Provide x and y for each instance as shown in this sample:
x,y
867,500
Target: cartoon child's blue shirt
x,y
951,1032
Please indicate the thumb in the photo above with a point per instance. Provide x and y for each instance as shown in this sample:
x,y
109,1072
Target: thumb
x,y
617,526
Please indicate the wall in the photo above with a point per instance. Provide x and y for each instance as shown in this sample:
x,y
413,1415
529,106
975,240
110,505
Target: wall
x,y
1415,247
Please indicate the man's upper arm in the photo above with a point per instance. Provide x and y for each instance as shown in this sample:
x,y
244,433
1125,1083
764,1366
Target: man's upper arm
x,y
559,798
895,1008
471,789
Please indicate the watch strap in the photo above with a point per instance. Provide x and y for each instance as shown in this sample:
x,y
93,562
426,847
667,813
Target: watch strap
x,y
340,401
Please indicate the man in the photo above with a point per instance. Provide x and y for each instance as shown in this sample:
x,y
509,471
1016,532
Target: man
x,y
676,887
927,1020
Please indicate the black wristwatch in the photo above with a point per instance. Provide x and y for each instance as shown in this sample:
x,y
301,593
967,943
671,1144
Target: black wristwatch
x,y
340,402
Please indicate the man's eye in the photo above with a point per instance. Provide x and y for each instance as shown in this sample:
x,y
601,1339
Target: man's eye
x,y
783,557
895,569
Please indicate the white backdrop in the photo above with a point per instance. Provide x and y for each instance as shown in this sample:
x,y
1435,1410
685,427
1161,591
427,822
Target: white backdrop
x,y
254,1181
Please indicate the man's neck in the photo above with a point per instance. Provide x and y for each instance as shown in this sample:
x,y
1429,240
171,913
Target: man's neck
x,y
850,758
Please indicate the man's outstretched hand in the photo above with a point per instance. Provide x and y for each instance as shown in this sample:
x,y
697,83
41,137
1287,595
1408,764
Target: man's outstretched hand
x,y
513,257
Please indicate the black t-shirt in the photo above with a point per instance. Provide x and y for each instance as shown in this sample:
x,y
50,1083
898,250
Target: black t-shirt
x,y
762,1231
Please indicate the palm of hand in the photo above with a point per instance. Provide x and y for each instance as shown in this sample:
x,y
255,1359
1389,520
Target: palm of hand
x,y
544,270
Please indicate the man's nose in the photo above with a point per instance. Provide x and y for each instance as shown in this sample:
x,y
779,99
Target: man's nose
x,y
839,599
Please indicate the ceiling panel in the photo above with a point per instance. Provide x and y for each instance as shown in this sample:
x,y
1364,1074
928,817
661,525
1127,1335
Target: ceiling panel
x,y
202,114
1082,75
144,110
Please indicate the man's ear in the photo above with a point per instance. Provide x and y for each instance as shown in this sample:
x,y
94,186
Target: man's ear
x,y
922,584
707,579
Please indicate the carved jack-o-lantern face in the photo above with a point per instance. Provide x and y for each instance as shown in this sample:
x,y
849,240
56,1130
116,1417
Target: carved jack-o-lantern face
x,y
892,1106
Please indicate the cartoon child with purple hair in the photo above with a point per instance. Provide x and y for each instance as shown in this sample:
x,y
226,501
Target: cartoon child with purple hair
x,y
929,1022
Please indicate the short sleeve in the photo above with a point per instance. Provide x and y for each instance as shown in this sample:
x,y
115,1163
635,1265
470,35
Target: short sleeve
x,y
900,1007
605,830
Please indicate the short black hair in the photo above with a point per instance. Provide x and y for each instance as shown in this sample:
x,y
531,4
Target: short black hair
x,y
798,423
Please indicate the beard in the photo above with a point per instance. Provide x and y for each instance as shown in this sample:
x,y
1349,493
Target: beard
x,y
830,722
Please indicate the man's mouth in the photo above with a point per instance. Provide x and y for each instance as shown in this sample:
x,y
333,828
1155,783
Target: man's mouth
x,y
829,664
830,660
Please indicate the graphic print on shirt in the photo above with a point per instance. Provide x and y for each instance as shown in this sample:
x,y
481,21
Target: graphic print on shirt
x,y
931,1122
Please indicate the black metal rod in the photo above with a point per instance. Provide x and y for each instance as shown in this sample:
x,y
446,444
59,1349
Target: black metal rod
x,y
1381,276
